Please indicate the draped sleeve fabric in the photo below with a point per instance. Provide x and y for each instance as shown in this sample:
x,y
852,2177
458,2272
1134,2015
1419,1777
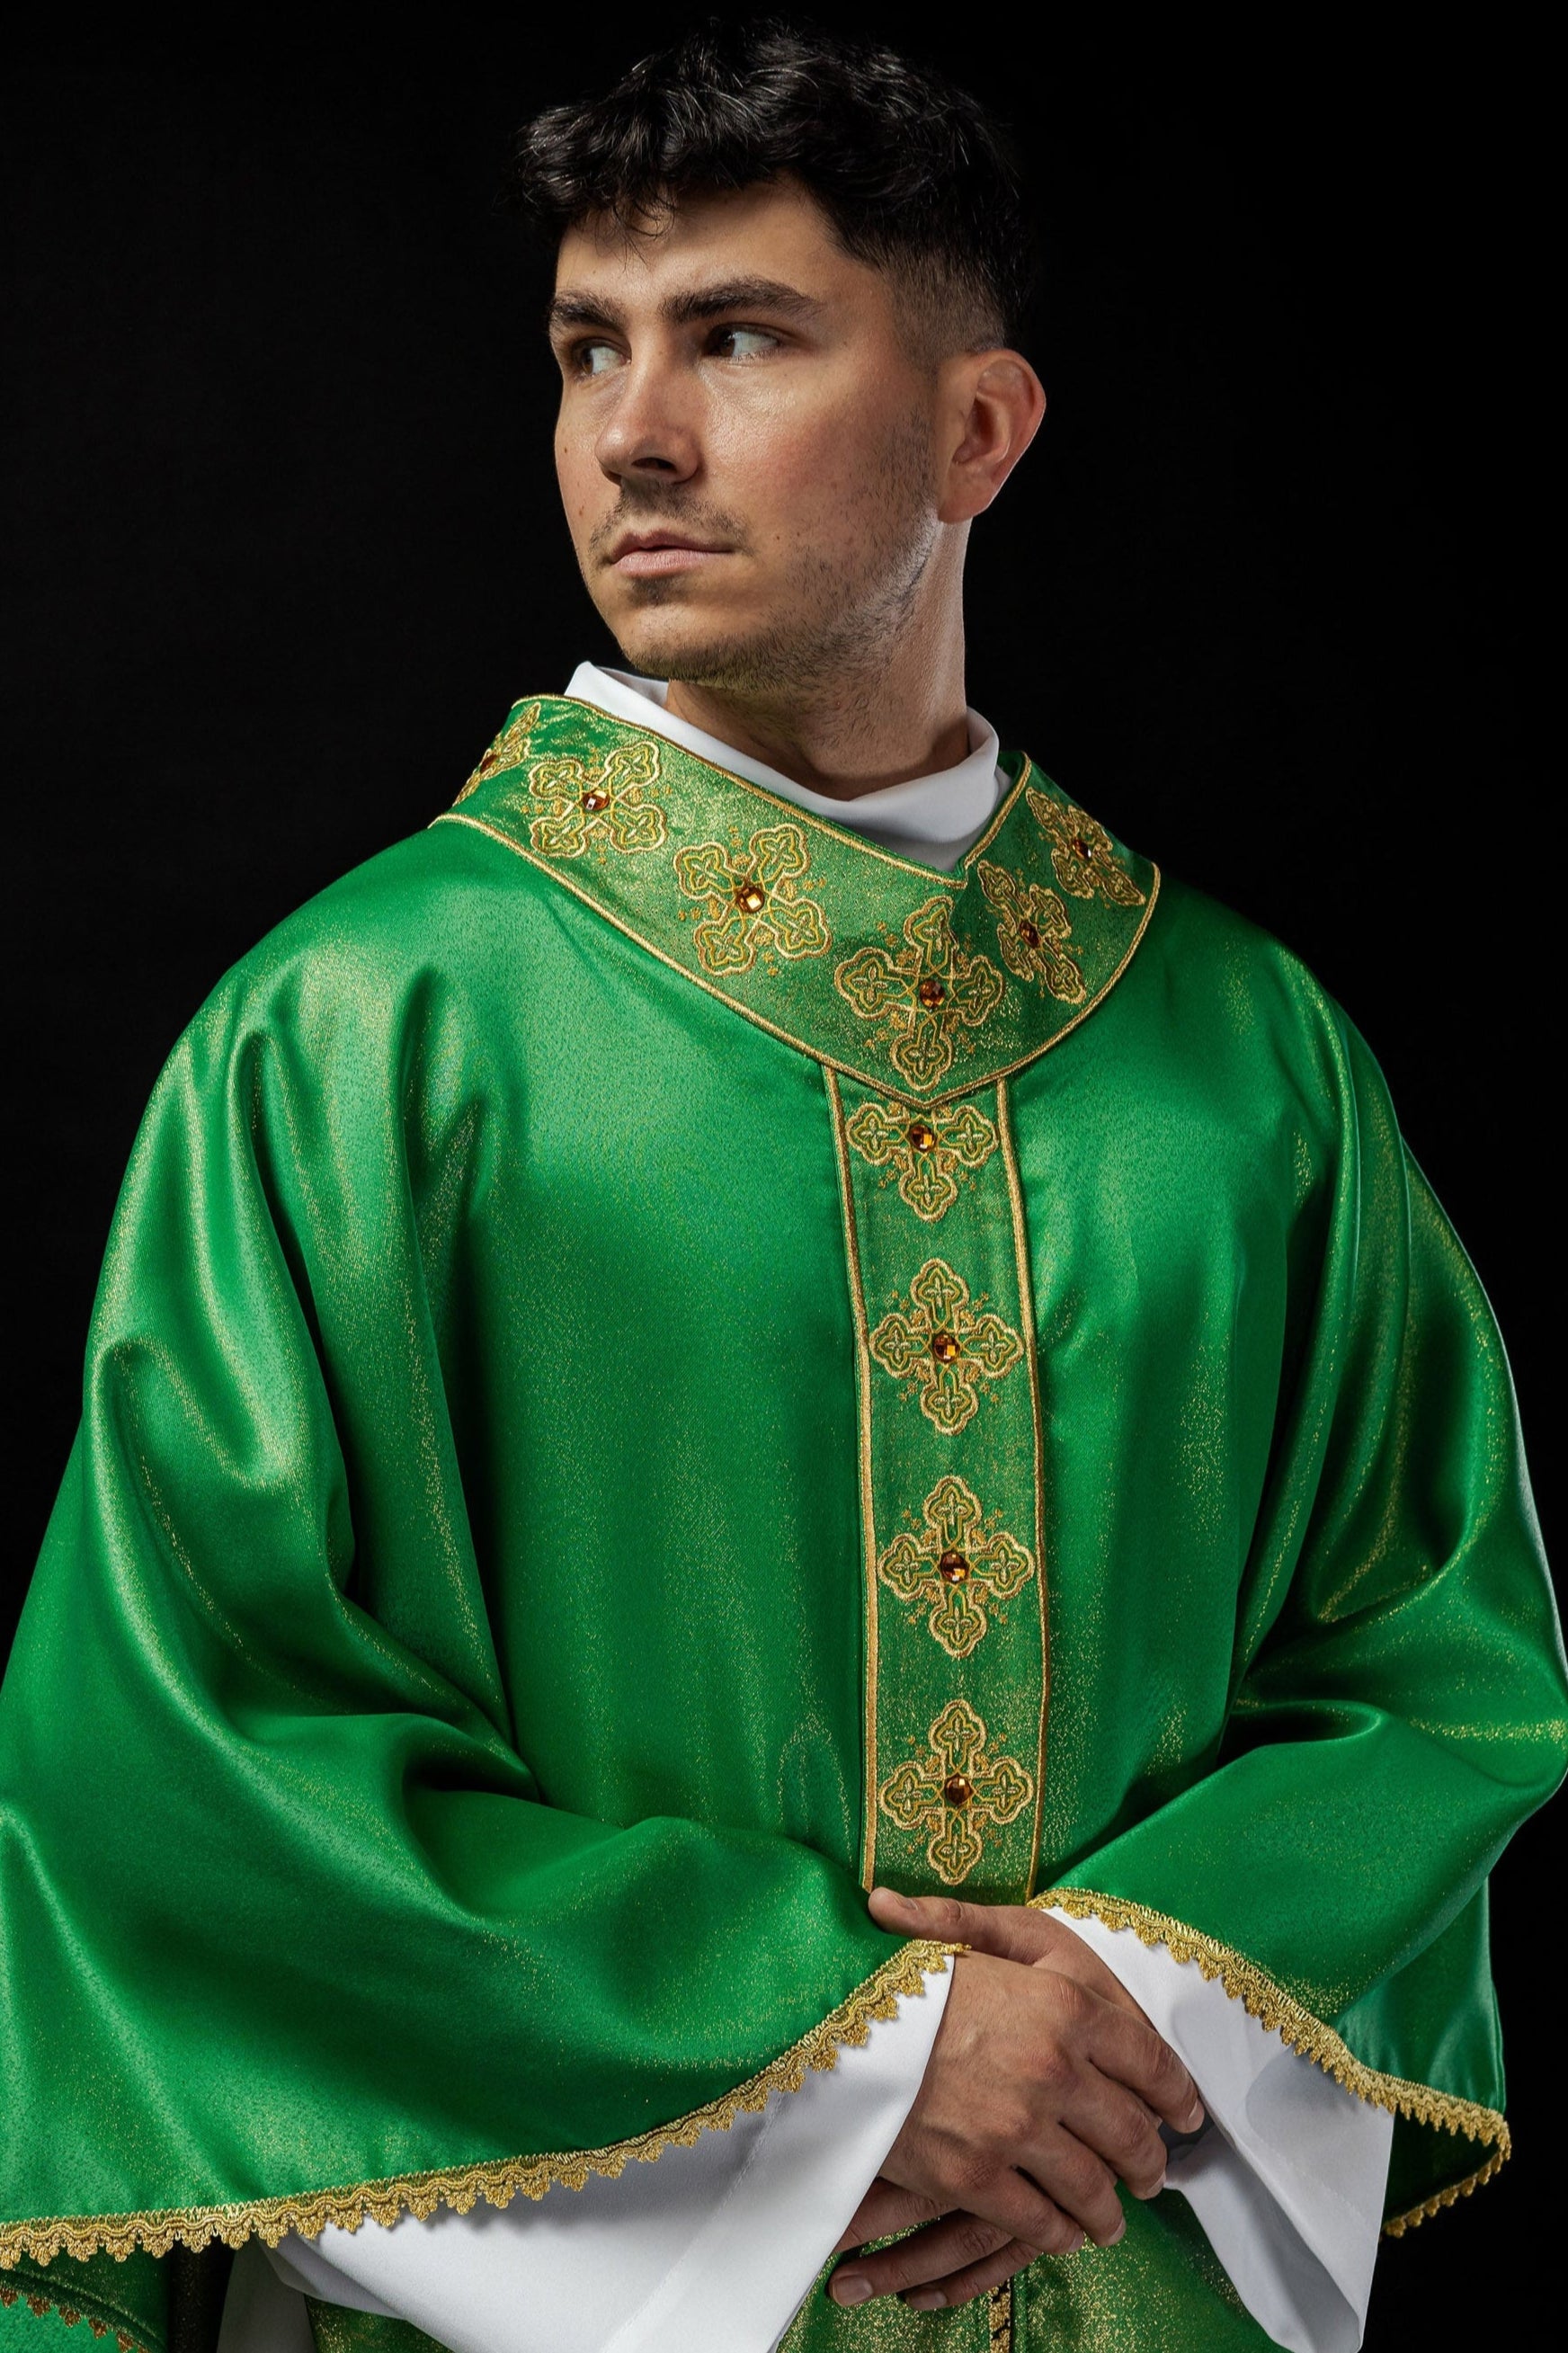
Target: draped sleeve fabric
x,y
1394,1704
292,1931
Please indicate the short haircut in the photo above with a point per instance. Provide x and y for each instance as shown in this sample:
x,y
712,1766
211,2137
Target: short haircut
x,y
911,172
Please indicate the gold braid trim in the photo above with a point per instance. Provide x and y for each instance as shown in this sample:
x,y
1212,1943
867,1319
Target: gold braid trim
x,y
1283,2015
497,2181
38,2305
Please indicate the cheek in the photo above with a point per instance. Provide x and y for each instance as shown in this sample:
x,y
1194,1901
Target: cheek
x,y
791,467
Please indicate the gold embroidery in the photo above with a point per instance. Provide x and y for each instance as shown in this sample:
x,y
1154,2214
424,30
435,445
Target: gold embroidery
x,y
1002,2319
751,898
509,749
497,2181
1282,2014
943,1346
1082,854
1032,932
38,2304
924,993
590,805
953,1565
926,1148
955,1792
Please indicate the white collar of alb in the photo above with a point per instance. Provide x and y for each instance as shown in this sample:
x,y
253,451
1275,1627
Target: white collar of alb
x,y
933,818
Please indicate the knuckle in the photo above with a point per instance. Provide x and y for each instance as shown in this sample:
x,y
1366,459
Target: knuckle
x,y
976,2240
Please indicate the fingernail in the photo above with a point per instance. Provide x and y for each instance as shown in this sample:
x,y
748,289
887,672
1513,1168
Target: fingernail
x,y
926,2299
1119,2233
852,2287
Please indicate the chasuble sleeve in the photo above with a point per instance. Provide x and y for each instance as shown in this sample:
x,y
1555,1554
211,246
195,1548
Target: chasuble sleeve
x,y
1397,1686
292,1933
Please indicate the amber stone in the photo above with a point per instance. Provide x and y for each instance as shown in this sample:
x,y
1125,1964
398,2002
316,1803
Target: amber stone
x,y
958,1789
1029,933
751,898
1084,848
952,1567
595,800
922,1137
931,992
486,765
943,1347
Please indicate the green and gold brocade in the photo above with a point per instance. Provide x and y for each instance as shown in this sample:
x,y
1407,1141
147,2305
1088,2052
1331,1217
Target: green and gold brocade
x,y
656,1361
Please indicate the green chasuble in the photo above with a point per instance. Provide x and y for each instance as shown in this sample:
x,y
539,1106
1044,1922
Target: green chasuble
x,y
657,1363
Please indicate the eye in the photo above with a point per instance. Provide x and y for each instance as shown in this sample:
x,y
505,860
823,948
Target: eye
x,y
595,359
743,342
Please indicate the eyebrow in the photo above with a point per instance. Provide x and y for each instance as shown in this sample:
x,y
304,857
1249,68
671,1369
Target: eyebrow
x,y
572,309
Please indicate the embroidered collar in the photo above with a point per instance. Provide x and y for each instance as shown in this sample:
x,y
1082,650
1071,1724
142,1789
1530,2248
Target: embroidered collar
x,y
922,983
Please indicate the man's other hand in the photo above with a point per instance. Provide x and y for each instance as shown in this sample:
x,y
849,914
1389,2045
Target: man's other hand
x,y
1046,2085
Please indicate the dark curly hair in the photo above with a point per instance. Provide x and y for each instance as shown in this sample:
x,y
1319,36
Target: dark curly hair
x,y
913,176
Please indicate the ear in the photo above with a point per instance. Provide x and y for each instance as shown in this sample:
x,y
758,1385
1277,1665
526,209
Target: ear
x,y
995,403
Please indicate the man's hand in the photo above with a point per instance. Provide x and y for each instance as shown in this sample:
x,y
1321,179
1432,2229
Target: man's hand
x,y
1044,2085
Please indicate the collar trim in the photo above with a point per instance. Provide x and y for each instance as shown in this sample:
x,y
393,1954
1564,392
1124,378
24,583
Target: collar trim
x,y
922,983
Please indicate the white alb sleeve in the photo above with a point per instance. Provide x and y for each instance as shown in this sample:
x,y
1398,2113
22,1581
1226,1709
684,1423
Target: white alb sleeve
x,y
1287,2180
712,2250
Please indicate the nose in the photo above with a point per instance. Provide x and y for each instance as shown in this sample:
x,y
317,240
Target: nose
x,y
647,434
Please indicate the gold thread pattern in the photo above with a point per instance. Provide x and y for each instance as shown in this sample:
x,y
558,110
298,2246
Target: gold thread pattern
x,y
955,1564
39,2305
815,1045
1086,864
942,1347
926,1149
509,749
926,994
1282,2014
1002,2319
955,1792
751,900
499,2180
595,805
1032,932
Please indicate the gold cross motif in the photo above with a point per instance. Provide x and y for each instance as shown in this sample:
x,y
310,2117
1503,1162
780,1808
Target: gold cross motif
x,y
924,993
1082,855
943,1347
955,1792
751,898
509,749
1032,932
926,1148
588,807
955,1564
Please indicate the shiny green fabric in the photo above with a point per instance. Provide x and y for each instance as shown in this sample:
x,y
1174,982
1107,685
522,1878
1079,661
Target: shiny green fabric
x,y
437,1729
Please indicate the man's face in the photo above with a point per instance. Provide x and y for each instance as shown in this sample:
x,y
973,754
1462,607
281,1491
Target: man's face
x,y
745,444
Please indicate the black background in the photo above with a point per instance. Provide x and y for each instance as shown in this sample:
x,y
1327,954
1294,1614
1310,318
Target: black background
x,y
1267,595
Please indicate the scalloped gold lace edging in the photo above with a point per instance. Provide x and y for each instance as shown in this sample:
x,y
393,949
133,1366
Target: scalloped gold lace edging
x,y
497,2180
37,2305
1282,2014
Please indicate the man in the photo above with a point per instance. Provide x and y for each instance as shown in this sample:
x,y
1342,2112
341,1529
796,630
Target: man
x,y
764,1313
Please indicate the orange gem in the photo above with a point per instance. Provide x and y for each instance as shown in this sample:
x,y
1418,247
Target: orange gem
x,y
958,1789
943,1347
595,800
1084,848
1029,933
922,1137
952,1569
931,992
751,898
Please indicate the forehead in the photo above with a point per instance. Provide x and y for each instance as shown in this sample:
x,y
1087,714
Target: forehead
x,y
774,231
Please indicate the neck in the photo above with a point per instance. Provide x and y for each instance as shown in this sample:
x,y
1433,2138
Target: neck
x,y
893,712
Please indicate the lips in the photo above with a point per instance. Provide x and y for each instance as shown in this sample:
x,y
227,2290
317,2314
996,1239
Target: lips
x,y
642,556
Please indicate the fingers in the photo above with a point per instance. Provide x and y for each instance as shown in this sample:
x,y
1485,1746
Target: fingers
x,y
954,2258
1130,2051
1010,1931
885,2210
